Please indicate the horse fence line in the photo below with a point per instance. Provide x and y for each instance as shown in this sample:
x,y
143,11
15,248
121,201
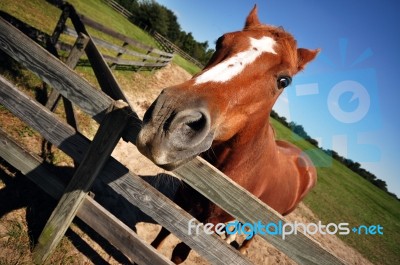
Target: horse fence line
x,y
201,176
132,54
163,41
120,9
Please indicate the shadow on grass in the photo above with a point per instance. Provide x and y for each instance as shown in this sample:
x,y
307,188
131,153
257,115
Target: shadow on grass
x,y
19,192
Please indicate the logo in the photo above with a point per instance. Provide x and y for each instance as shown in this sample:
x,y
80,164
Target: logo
x,y
281,229
341,104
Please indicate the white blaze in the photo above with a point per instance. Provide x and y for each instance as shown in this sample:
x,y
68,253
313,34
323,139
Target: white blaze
x,y
233,66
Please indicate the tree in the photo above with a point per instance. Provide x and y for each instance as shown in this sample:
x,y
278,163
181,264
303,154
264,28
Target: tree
x,y
150,15
380,184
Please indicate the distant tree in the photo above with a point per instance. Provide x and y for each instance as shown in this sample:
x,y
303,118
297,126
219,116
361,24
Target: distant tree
x,y
313,142
150,15
281,119
174,28
355,166
380,184
393,195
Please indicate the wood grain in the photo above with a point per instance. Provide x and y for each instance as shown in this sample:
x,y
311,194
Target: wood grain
x,y
93,162
52,71
93,214
119,49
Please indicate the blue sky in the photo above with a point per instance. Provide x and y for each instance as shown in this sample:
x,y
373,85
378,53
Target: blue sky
x,y
348,98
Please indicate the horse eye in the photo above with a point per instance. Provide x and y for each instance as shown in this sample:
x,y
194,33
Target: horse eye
x,y
284,81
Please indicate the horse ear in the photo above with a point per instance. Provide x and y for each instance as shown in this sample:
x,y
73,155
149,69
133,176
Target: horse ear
x,y
252,19
304,56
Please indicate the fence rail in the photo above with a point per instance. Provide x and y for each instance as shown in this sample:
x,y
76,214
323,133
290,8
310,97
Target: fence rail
x,y
132,54
168,45
164,42
117,7
199,174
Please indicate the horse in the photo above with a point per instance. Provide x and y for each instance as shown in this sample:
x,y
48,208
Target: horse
x,y
223,114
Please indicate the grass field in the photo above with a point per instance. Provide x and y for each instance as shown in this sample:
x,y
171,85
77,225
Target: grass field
x,y
343,196
340,195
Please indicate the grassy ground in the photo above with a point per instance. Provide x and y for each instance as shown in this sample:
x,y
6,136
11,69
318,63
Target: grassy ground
x,y
188,66
343,196
340,195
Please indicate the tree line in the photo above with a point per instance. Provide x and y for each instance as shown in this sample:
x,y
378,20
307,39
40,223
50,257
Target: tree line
x,y
150,15
354,166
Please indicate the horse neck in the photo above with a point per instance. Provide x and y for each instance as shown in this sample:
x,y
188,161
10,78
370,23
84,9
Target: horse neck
x,y
251,151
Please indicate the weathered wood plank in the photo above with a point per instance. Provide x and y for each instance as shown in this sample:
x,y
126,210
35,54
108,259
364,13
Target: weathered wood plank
x,y
134,189
60,26
120,53
103,73
120,61
119,8
93,24
93,162
58,75
76,52
30,165
119,234
104,76
52,71
53,100
93,214
110,46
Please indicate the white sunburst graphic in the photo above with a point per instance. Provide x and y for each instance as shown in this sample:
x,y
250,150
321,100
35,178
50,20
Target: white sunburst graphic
x,y
342,100
358,91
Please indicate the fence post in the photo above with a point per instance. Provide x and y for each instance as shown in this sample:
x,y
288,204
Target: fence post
x,y
54,97
72,60
60,25
97,155
114,65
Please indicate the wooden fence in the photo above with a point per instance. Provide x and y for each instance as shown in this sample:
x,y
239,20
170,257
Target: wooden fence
x,y
164,42
131,54
141,56
117,7
117,119
170,46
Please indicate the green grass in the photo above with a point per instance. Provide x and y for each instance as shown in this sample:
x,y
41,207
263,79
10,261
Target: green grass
x,y
96,10
188,66
343,196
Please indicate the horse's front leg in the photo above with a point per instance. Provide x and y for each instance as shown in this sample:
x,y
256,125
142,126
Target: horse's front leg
x,y
245,246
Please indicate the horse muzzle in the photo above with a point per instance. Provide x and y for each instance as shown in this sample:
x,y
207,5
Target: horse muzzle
x,y
175,130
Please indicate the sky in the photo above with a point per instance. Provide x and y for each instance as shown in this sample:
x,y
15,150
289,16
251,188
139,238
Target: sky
x,y
348,97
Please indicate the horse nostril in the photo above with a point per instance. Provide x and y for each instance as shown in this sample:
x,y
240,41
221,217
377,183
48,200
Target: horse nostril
x,y
199,124
189,127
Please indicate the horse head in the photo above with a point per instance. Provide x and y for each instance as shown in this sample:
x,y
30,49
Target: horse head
x,y
231,97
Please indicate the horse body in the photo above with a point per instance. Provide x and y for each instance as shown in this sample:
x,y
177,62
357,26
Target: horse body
x,y
223,114
281,173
